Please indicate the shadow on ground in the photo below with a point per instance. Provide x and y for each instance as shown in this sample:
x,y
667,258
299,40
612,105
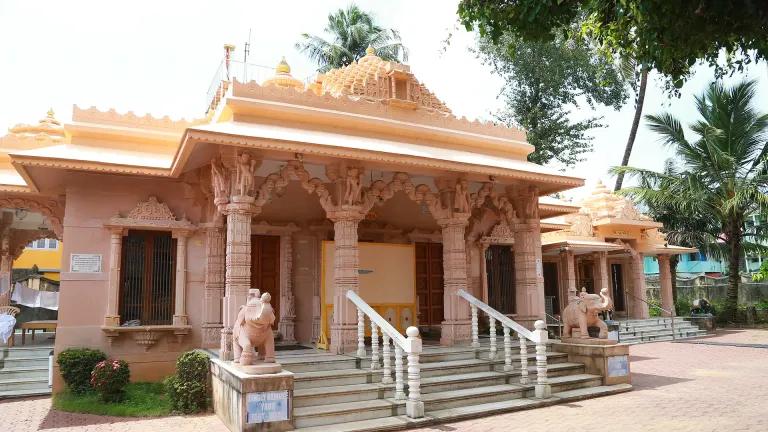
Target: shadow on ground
x,y
641,381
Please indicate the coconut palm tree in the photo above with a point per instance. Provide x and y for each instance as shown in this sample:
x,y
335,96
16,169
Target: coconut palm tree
x,y
723,173
352,31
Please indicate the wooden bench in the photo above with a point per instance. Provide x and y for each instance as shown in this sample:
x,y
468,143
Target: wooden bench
x,y
36,325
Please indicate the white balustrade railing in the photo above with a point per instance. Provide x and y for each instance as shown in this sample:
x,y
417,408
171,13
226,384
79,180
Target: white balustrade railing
x,y
409,345
538,336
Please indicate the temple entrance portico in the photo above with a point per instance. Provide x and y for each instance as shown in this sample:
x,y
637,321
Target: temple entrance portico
x,y
603,246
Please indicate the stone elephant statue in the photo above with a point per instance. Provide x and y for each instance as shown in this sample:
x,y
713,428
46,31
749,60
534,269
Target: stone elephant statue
x,y
582,312
253,330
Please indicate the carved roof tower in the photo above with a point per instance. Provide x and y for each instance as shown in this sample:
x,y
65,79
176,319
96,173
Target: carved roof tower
x,y
371,77
603,203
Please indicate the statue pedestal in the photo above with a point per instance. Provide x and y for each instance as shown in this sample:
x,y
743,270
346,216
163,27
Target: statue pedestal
x,y
588,341
610,361
259,368
252,402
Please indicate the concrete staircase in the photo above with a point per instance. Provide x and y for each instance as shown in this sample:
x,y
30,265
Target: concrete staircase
x,y
341,393
24,371
656,329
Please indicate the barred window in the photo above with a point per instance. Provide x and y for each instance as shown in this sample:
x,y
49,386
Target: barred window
x,y
147,277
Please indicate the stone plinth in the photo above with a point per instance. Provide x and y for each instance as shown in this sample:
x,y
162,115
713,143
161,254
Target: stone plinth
x,y
609,361
236,394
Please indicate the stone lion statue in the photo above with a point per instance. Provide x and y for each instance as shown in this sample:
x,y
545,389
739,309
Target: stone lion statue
x,y
253,330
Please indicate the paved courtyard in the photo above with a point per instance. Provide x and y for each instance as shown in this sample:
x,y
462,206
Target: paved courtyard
x,y
678,387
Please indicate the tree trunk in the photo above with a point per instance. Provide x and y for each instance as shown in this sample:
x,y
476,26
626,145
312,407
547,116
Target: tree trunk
x,y
673,259
734,250
635,125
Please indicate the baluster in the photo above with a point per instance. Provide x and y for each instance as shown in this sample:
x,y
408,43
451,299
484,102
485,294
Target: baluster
x,y
386,377
374,346
523,359
492,324
399,394
475,335
507,349
414,407
360,333
543,388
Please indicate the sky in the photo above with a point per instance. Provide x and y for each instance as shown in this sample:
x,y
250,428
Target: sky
x,y
159,57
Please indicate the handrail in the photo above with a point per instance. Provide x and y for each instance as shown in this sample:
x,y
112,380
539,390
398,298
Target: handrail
x,y
518,328
559,324
410,345
543,389
381,323
671,315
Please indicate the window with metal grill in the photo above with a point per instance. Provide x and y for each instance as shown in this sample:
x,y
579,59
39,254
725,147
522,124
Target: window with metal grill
x,y
147,277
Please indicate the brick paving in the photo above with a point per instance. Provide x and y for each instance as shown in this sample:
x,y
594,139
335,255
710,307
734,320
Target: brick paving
x,y
678,387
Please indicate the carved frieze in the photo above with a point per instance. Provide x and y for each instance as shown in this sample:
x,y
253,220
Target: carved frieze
x,y
150,214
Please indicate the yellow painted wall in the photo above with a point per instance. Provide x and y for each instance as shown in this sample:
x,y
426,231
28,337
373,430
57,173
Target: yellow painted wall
x,y
45,259
387,282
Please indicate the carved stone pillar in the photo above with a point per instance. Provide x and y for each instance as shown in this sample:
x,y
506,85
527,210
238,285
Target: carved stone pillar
x,y
180,310
6,261
113,289
665,280
286,324
345,278
639,307
568,277
457,324
600,273
529,273
239,211
214,284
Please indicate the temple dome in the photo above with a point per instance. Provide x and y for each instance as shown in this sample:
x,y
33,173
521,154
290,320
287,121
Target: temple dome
x,y
602,203
48,127
283,77
373,78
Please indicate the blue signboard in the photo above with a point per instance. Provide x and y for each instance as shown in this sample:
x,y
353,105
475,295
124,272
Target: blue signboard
x,y
265,407
618,366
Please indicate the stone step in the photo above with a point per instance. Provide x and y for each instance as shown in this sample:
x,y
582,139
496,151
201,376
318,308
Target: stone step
x,y
661,337
24,352
656,326
318,362
333,378
10,394
320,415
24,362
469,411
468,396
24,372
24,384
355,392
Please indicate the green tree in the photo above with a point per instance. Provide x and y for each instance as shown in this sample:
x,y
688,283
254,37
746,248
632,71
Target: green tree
x,y
723,174
667,36
543,81
352,31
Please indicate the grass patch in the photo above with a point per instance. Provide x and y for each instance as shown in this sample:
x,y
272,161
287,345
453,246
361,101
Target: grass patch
x,y
142,399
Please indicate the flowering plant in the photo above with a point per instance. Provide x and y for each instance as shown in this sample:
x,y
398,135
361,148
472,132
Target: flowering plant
x,y
109,378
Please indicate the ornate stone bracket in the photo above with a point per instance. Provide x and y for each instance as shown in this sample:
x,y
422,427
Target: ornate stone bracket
x,y
147,336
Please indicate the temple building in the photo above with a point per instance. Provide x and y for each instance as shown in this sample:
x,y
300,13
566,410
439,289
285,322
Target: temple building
x,y
361,180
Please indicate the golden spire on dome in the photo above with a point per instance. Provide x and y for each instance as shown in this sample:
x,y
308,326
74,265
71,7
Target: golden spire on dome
x,y
283,77
283,67
370,51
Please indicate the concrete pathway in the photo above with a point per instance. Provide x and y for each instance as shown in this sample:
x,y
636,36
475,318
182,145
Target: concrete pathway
x,y
678,387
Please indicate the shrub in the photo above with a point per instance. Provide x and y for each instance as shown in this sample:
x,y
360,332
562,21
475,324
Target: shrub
x,y
188,389
109,378
76,365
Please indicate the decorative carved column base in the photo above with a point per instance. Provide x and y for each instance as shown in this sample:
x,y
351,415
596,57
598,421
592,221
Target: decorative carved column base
x,y
212,335
286,328
453,332
180,320
225,350
343,338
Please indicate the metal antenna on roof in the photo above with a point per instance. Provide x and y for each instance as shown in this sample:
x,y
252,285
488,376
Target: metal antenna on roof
x,y
246,51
